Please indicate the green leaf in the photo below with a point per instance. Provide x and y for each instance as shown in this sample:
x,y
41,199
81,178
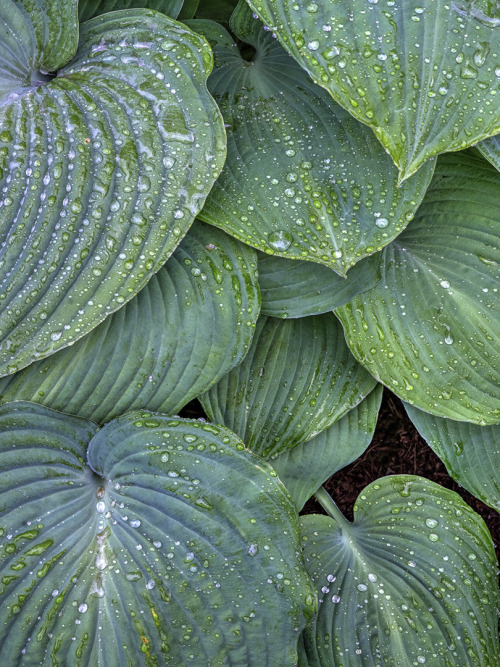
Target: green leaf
x,y
87,9
296,289
190,325
182,548
297,379
102,170
306,467
36,37
188,10
412,581
490,149
429,330
216,10
470,453
422,76
302,179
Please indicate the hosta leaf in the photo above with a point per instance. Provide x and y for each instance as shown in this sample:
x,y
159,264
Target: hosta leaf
x,y
303,179
36,37
87,9
471,453
297,379
102,171
422,76
429,330
296,289
188,10
412,581
490,149
182,547
304,468
184,331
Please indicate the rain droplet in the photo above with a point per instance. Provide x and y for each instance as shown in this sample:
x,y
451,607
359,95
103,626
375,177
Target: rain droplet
x,y
280,240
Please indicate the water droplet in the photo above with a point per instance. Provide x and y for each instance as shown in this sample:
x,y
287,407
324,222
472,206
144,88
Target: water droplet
x,y
253,550
444,284
431,523
335,599
280,240
381,222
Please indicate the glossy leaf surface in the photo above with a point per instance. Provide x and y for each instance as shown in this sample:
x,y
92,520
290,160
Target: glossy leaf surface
x,y
185,330
412,581
471,453
303,179
87,9
297,379
181,548
102,170
306,467
297,289
423,76
430,329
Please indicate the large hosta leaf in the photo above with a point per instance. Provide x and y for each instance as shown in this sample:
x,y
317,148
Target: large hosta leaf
x,y
87,9
430,329
182,547
102,170
186,329
303,179
306,467
424,76
297,379
471,453
297,289
412,581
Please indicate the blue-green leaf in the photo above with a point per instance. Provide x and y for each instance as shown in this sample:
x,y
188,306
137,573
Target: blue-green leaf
x,y
303,179
190,325
412,581
174,545
102,170
423,76
297,379
471,453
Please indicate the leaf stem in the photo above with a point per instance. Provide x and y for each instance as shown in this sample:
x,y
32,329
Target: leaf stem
x,y
330,507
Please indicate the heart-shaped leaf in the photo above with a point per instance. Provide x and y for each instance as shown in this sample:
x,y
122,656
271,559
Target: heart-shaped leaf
x,y
297,289
302,179
490,149
412,581
430,329
102,170
297,379
87,9
422,75
190,325
182,548
306,467
471,453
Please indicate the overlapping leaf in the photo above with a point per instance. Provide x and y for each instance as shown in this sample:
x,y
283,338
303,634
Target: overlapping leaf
x,y
297,289
182,549
302,178
102,170
412,581
186,329
306,467
87,9
490,149
470,453
424,76
297,379
430,329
